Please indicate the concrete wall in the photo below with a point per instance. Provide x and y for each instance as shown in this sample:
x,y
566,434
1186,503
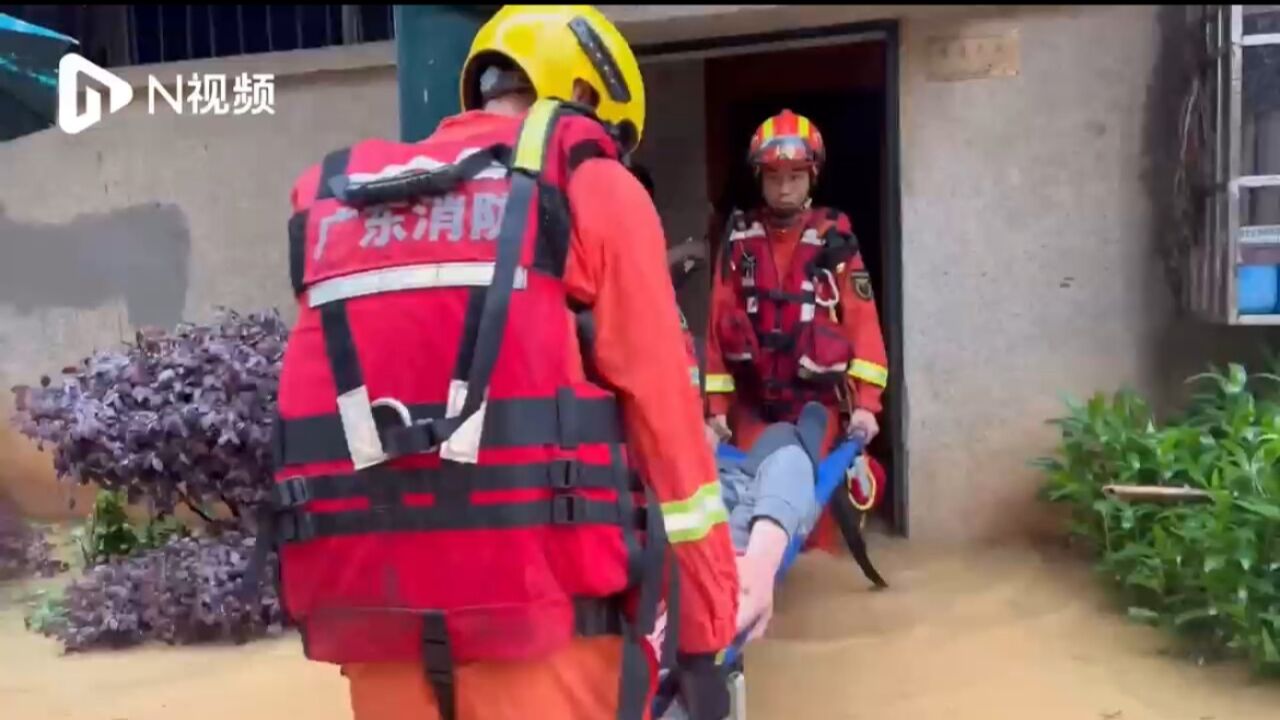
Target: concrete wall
x,y
151,219
1031,212
1027,230
1030,209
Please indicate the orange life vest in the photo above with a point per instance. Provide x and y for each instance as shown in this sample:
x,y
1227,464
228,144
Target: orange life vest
x,y
446,492
783,342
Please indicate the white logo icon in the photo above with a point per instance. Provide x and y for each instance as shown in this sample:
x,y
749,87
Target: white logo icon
x,y
70,68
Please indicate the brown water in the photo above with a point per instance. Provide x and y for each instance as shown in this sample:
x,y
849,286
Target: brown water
x,y
988,635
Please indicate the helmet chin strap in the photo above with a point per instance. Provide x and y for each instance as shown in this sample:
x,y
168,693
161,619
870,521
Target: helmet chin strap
x,y
786,216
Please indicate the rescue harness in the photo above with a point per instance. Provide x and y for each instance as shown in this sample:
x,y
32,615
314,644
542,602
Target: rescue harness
x,y
782,342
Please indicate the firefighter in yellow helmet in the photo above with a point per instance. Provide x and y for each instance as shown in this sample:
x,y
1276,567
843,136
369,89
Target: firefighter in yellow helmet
x,y
612,267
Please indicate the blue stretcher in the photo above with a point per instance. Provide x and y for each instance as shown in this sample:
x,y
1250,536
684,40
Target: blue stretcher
x,y
831,475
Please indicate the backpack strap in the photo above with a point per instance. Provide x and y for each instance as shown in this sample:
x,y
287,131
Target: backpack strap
x,y
367,442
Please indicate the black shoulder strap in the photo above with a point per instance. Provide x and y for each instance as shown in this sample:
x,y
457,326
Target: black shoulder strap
x,y
838,246
526,166
334,165
735,221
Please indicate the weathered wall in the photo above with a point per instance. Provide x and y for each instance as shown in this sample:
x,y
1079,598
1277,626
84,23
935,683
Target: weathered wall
x,y
1031,211
1027,231
148,220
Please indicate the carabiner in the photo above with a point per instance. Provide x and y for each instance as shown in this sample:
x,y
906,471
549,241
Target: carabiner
x,y
835,291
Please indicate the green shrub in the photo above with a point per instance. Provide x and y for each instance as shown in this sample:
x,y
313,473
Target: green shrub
x,y
109,534
1208,571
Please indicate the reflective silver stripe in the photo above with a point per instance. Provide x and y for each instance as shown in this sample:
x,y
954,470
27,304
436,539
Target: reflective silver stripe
x,y
813,368
360,429
807,309
411,277
810,237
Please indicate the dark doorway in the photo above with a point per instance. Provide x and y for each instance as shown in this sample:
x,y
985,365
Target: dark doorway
x,y
846,91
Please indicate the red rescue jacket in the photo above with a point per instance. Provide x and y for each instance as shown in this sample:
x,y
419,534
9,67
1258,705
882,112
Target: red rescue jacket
x,y
782,342
446,492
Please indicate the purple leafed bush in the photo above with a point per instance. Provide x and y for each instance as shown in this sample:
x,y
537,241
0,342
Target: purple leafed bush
x,y
24,551
174,418
185,592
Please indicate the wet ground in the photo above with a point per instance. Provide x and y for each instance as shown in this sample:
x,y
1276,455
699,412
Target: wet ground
x,y
1010,633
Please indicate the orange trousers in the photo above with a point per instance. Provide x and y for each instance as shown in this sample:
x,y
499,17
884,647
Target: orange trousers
x,y
577,683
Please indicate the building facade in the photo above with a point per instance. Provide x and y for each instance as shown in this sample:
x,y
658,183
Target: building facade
x,y
1031,195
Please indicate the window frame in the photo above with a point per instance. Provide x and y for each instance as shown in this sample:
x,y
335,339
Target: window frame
x,y
1218,251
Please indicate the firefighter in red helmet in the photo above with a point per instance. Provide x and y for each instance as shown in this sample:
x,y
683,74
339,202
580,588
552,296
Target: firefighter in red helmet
x,y
793,316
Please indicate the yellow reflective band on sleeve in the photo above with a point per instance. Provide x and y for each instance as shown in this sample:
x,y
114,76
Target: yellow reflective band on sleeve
x,y
533,135
692,519
869,372
719,383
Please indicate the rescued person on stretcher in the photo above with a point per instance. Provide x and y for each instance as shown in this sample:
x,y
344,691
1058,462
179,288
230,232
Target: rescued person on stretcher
x,y
769,494
770,498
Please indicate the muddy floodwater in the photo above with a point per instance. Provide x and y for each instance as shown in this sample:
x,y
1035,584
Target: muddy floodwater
x,y
995,634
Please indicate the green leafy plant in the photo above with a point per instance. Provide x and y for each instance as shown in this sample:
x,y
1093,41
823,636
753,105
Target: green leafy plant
x,y
1207,570
109,534
46,612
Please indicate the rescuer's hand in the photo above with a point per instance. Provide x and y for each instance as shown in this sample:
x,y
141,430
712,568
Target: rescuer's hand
x,y
720,425
713,437
862,422
704,692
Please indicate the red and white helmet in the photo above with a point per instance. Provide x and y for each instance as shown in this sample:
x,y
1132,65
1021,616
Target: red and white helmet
x,y
788,140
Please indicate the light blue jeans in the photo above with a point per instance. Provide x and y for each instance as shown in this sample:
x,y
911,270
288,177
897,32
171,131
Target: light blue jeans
x,y
781,490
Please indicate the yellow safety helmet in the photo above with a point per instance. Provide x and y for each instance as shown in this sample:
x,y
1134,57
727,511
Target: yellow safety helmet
x,y
555,45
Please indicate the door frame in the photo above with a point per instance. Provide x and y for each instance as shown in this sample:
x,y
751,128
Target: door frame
x,y
888,32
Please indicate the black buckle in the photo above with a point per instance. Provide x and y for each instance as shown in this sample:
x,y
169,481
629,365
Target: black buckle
x,y
564,474
416,439
437,659
292,493
776,340
567,509
295,527
598,616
